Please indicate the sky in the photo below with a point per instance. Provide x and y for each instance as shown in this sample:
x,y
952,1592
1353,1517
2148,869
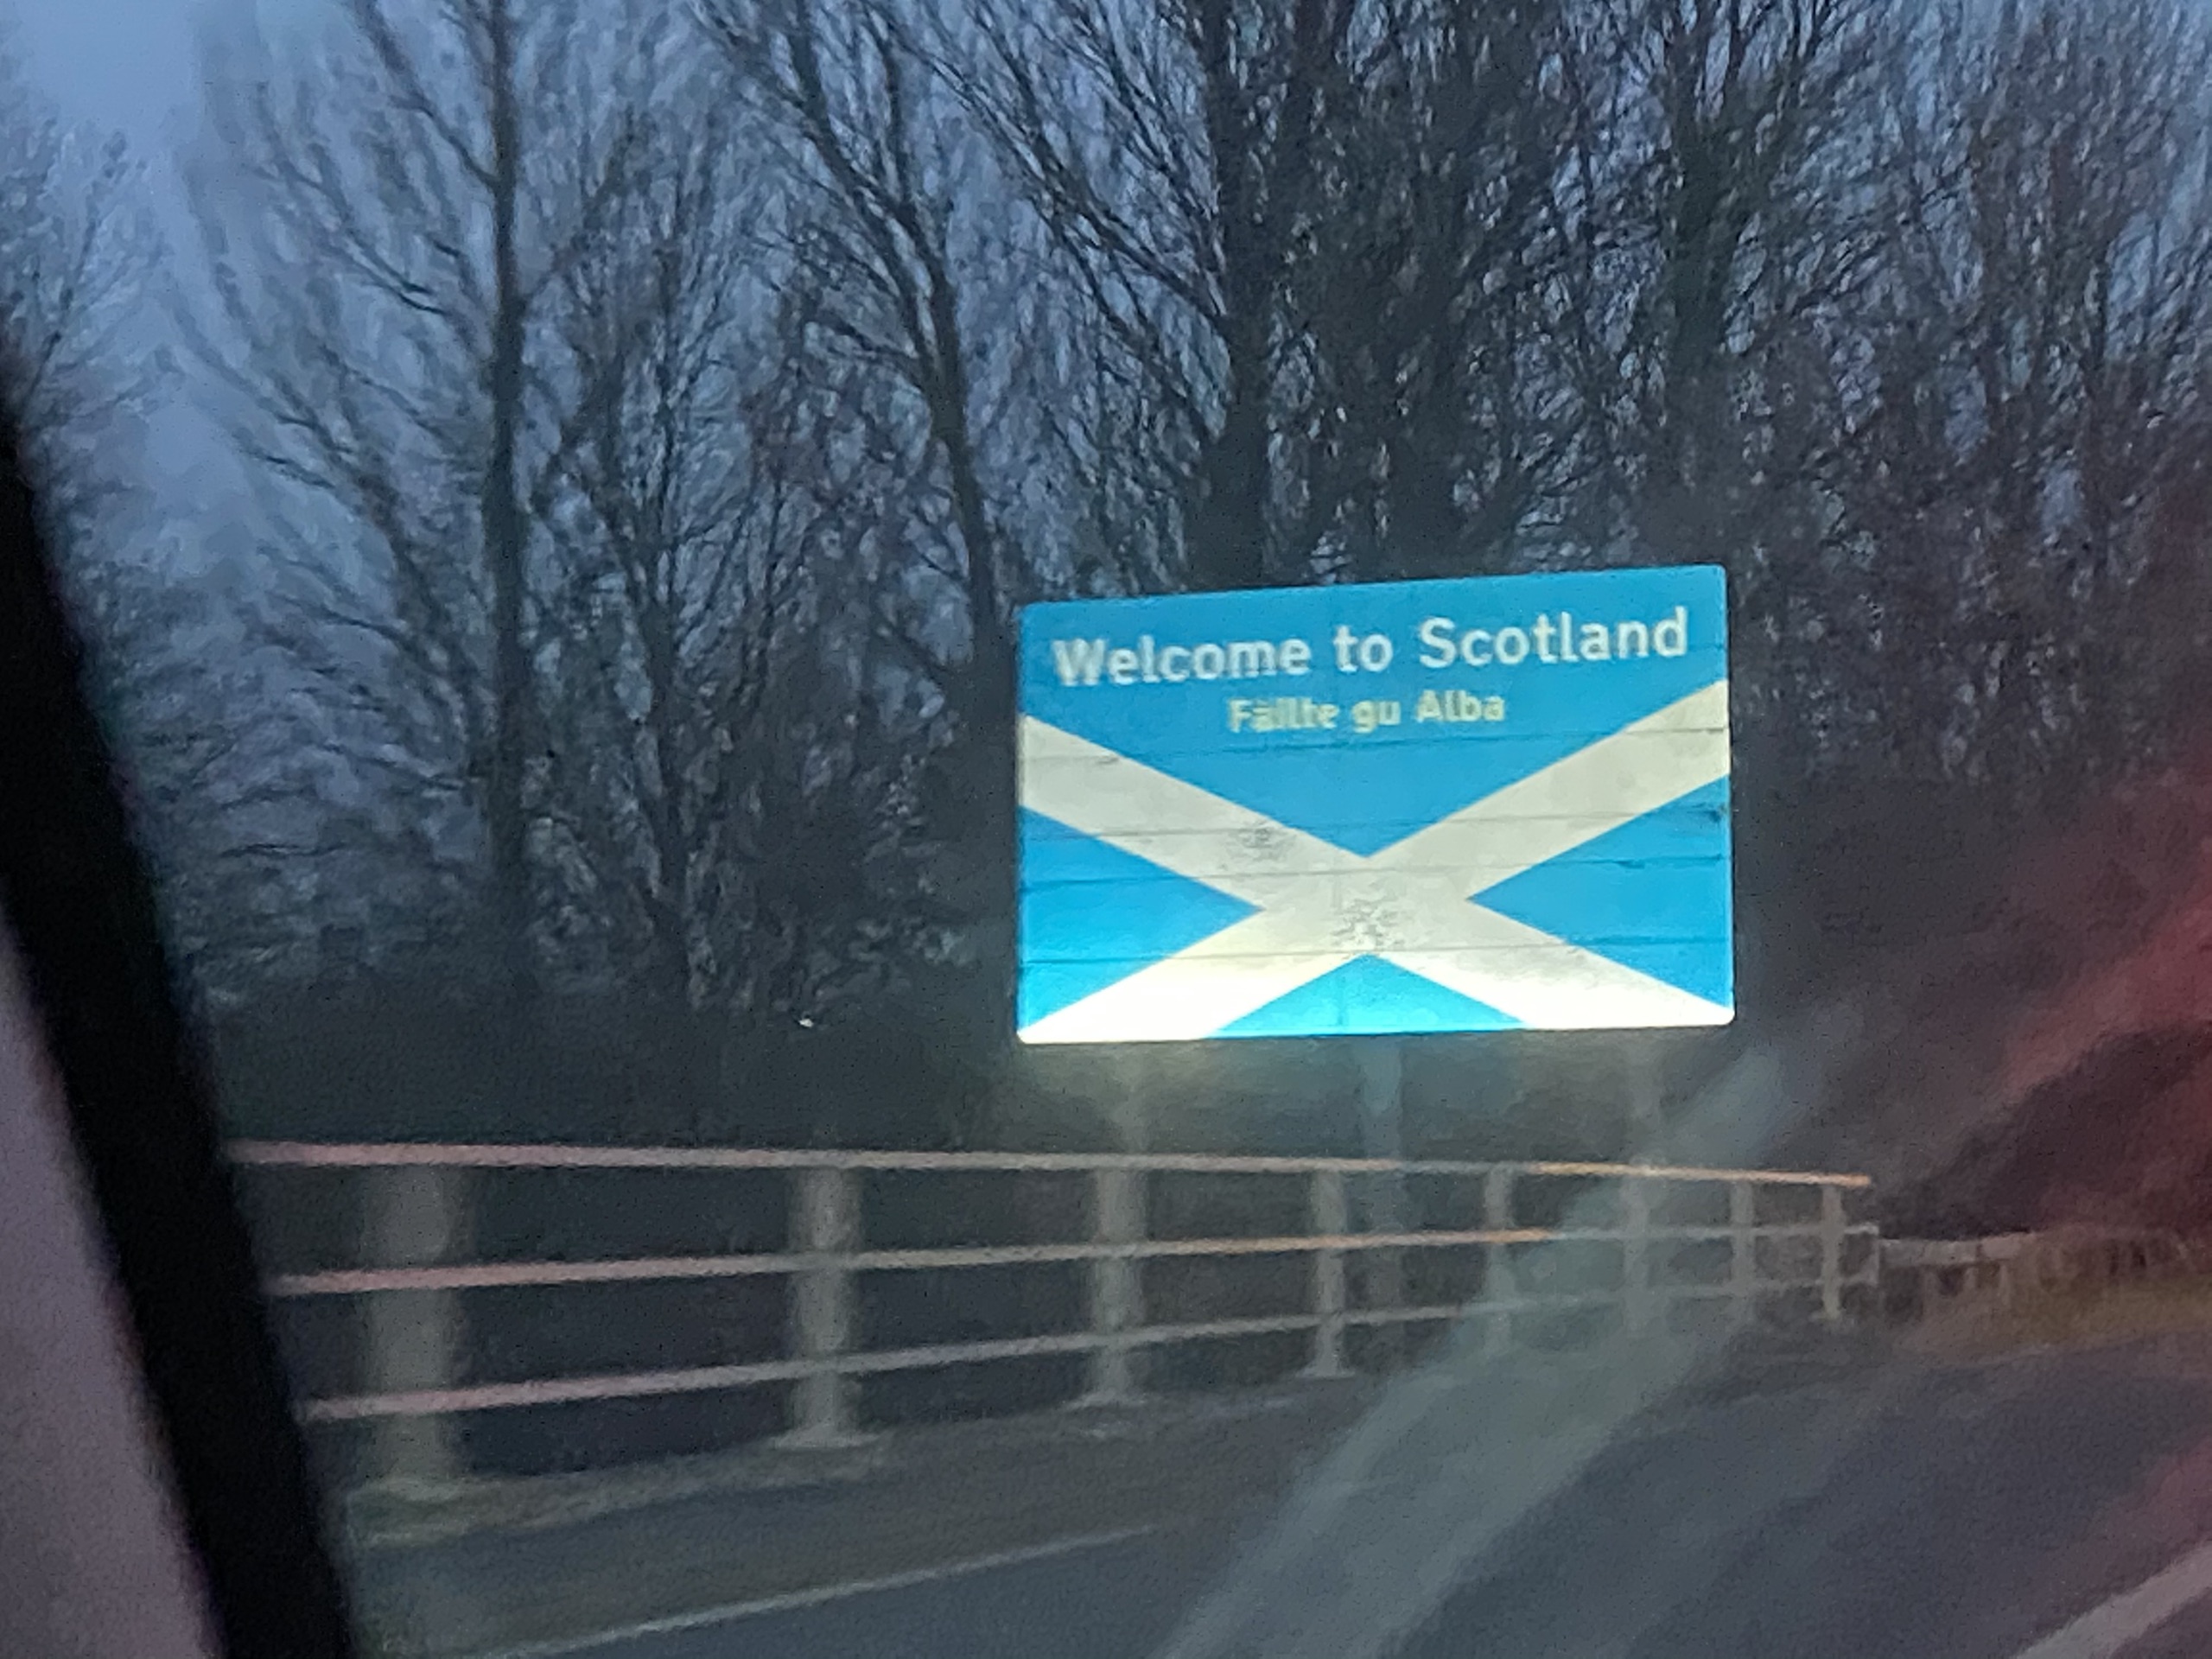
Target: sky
x,y
127,65
133,67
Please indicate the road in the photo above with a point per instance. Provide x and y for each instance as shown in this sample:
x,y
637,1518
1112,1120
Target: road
x,y
1917,1511
1104,1598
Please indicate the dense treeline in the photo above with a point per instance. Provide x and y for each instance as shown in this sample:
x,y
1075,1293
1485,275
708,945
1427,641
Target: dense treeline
x,y
655,413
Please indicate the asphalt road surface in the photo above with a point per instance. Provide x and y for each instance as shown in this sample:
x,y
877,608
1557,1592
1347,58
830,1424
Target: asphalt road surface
x,y
1094,1598
2004,1511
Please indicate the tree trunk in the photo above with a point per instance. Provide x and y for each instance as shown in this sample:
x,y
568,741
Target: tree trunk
x,y
505,536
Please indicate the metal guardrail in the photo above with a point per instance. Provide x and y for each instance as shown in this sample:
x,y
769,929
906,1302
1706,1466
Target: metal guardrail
x,y
827,1250
1937,1270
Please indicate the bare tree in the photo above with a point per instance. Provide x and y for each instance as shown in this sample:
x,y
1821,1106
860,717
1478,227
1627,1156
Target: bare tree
x,y
1172,151
78,254
2040,354
1748,191
721,793
77,248
664,575
859,110
888,247
1429,418
384,235
658,446
1721,219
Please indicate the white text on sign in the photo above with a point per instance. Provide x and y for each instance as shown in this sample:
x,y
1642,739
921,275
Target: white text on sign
x,y
1455,707
1552,638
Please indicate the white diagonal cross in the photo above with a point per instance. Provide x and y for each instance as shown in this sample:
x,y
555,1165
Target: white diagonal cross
x,y
1407,904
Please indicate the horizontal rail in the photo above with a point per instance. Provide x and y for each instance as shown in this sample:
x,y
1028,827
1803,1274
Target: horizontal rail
x,y
1915,1253
1957,1252
1942,1271
499,1275
571,1390
310,1154
415,1357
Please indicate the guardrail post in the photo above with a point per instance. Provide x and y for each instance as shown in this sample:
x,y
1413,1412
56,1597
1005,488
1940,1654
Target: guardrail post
x,y
1331,1217
1832,1253
1116,1291
1636,1252
1498,1285
826,1229
1381,1132
417,1217
1743,1249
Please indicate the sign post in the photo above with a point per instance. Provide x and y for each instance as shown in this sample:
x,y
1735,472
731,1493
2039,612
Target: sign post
x,y
1646,1121
1382,1137
1481,804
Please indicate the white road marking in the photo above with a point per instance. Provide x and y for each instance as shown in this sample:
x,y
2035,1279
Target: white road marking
x,y
2106,1631
1321,905
798,1600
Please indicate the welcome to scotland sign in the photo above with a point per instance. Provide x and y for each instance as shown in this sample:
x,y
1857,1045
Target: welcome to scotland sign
x,y
1463,805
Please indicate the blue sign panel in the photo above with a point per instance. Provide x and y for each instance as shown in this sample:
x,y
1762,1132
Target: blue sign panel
x,y
1460,805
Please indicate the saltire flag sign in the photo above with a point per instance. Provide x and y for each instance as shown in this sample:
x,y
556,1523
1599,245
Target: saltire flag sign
x,y
1462,805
